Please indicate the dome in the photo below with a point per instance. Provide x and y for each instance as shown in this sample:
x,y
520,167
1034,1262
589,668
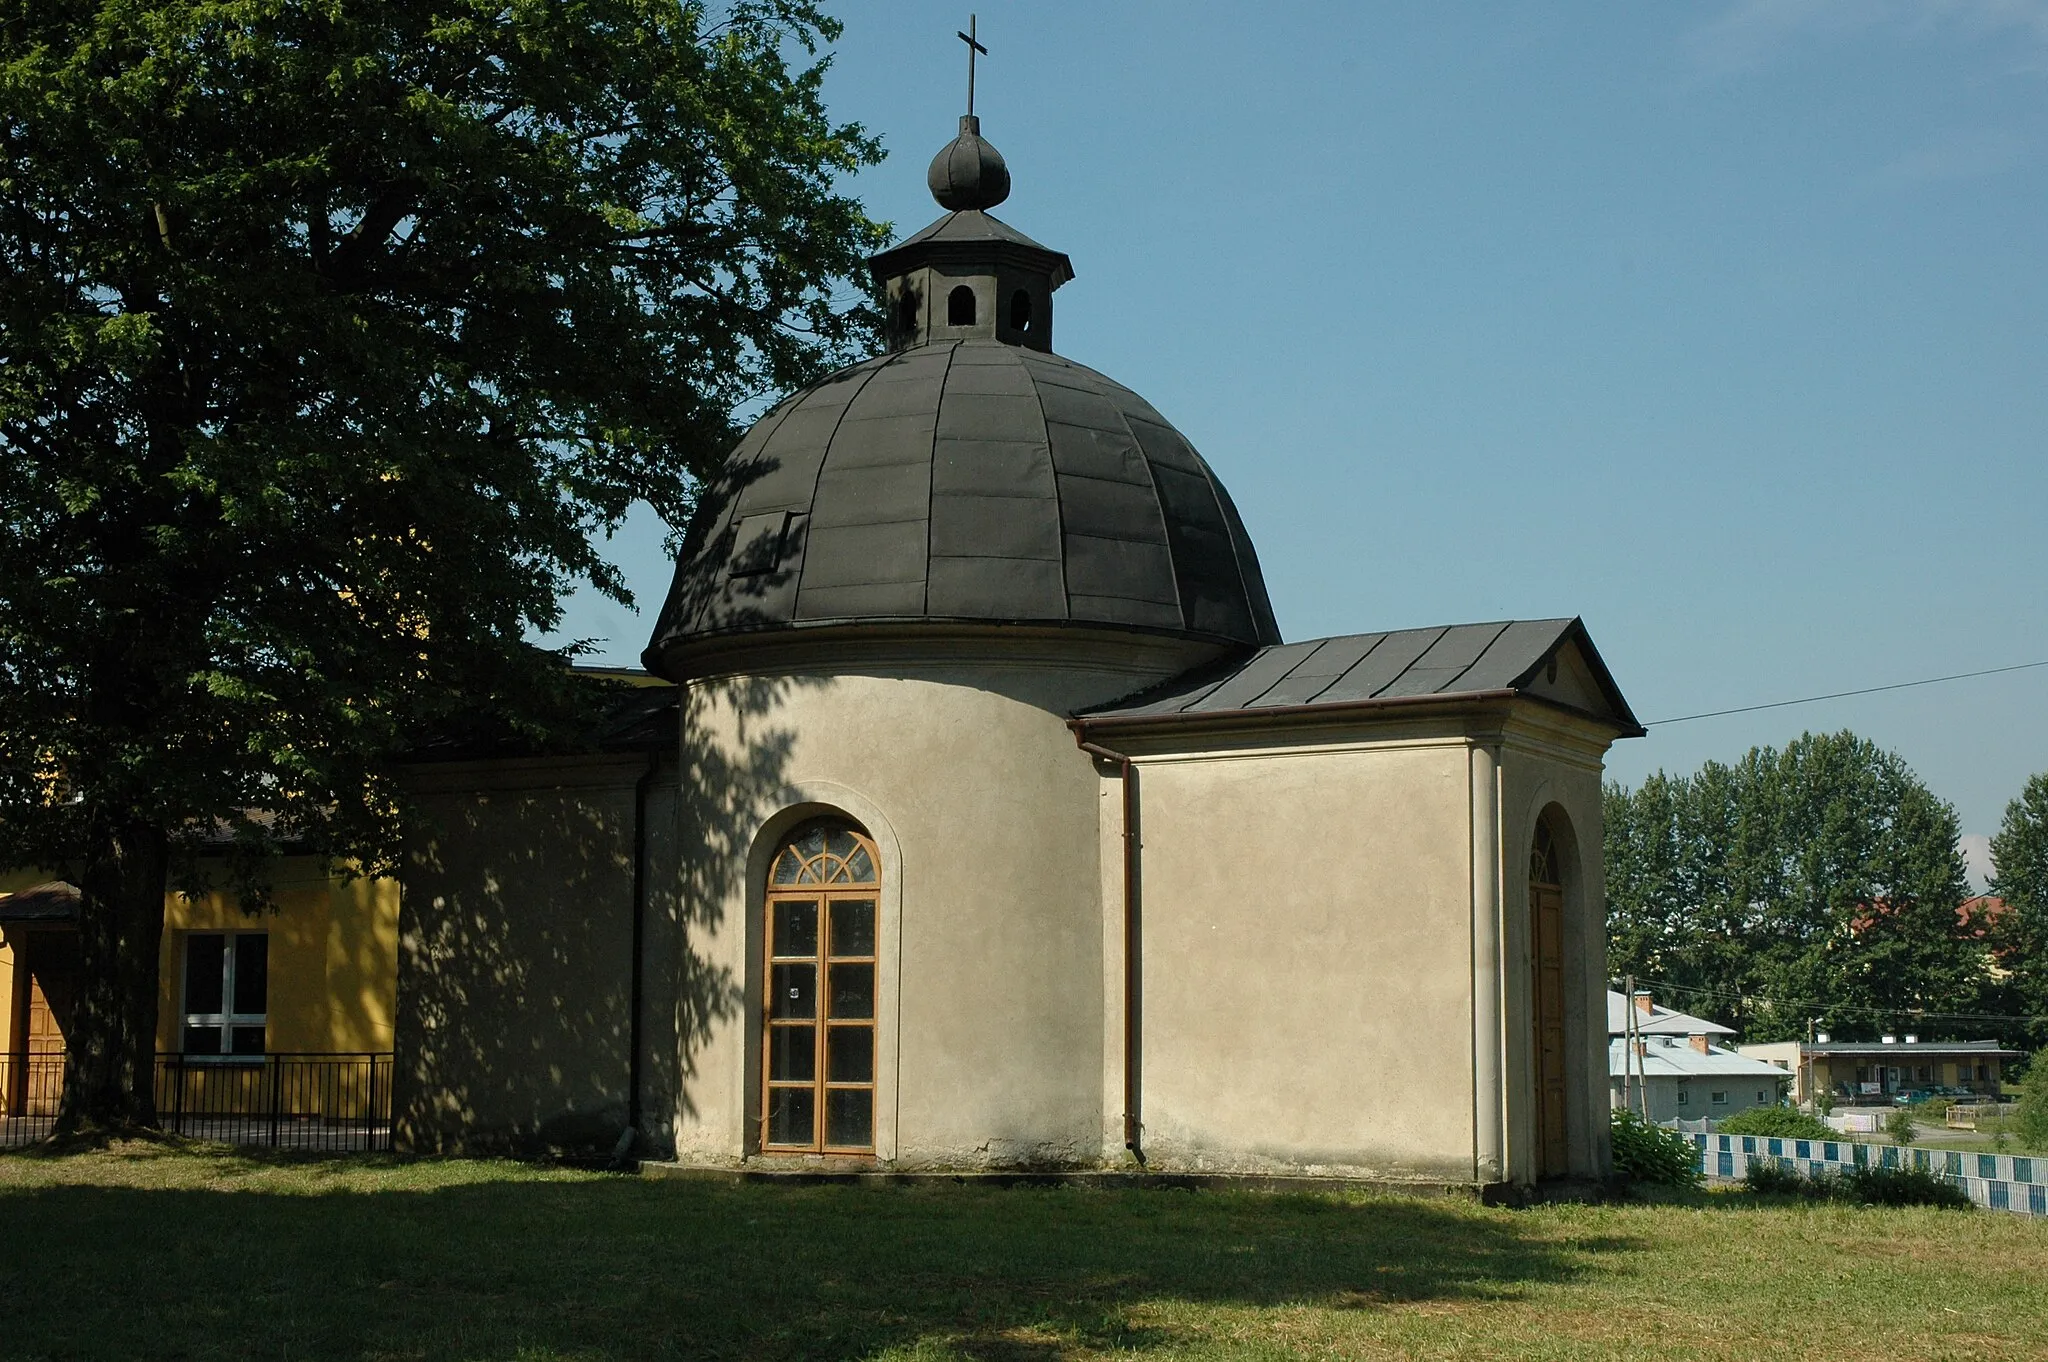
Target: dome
x,y
968,172
967,480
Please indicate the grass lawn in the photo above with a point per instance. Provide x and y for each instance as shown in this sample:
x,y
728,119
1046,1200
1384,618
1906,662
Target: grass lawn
x,y
145,1252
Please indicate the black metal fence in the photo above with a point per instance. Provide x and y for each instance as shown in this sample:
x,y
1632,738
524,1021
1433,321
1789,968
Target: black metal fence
x,y
330,1103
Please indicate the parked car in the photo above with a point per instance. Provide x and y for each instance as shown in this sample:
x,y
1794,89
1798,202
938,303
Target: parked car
x,y
1912,1097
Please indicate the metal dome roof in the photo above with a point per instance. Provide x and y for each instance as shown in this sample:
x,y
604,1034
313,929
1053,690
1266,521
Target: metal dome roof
x,y
967,480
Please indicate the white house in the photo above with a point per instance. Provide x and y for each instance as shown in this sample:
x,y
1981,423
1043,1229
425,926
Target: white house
x,y
1677,1070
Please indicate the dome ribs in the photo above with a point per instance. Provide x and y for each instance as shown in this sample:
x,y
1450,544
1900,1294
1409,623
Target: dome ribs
x,y
1119,560
995,525
968,481
870,515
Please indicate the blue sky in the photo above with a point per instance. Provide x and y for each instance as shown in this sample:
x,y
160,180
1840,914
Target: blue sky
x,y
1722,326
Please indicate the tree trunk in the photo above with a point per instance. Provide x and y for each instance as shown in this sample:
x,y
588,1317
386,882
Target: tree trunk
x,y
110,1082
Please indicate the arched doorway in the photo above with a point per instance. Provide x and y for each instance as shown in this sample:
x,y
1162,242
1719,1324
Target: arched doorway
x,y
818,993
1546,950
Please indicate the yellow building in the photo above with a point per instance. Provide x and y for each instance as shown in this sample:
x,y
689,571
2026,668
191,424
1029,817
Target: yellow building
x,y
309,984
316,974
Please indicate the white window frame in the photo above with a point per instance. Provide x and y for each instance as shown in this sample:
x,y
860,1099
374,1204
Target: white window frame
x,y
227,1019
1684,1098
1719,1099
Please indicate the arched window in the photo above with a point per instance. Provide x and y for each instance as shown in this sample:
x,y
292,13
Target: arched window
x,y
818,1021
1546,950
1020,311
960,307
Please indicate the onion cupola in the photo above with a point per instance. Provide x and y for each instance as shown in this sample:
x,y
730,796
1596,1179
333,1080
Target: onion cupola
x,y
968,477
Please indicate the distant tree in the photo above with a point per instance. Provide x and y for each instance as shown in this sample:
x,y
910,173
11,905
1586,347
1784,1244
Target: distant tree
x,y
1814,883
2019,935
332,336
2030,1121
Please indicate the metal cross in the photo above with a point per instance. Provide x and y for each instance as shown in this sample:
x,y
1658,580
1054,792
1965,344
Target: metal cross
x,y
972,48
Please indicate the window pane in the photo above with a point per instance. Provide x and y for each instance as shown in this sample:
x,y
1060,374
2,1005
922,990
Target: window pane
x,y
849,1117
786,867
840,843
796,929
793,991
850,1054
853,991
246,1040
792,1116
811,843
861,867
853,926
252,974
201,1040
203,982
792,1054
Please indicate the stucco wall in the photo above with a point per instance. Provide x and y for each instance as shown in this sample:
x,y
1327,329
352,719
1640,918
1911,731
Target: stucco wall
x,y
514,975
1307,960
989,1010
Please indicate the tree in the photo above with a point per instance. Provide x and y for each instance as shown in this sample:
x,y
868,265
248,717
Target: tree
x,y
1817,883
2019,936
332,337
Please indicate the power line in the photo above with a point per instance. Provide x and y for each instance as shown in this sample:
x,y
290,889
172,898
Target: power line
x,y
1842,694
1837,1009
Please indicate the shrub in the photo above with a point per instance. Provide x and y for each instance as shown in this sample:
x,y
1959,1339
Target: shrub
x,y
1903,1187
1863,1186
1771,1177
1782,1122
1651,1153
1899,1126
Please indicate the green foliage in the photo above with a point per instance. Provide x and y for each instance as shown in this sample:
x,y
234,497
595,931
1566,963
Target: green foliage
x,y
1899,1126
1864,1186
2019,937
333,337
2030,1118
1814,883
1651,1153
1771,1178
1903,1187
1782,1122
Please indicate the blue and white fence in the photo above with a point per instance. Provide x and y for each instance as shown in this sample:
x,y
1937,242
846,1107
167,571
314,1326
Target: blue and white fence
x,y
1998,1182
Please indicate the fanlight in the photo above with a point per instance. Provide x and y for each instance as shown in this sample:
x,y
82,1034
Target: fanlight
x,y
824,852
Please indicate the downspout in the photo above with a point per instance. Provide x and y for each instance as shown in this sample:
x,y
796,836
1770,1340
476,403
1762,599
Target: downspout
x,y
636,987
1128,773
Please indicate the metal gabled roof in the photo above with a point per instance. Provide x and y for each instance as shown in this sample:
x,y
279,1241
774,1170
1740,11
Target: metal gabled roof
x,y
1444,662
1673,1057
1662,1021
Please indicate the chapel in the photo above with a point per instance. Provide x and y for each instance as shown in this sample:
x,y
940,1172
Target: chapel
x,y
989,824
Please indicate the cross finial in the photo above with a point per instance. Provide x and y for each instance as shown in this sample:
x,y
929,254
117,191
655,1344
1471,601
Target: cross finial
x,y
972,47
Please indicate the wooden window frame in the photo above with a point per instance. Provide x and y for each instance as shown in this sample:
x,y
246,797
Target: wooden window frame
x,y
834,878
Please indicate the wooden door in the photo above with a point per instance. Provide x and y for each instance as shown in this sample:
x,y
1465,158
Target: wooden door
x,y
1546,940
52,959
